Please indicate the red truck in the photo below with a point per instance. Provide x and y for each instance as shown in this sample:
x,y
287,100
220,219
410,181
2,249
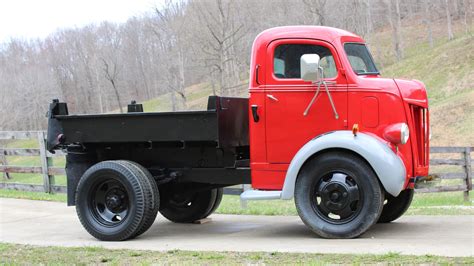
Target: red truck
x,y
320,127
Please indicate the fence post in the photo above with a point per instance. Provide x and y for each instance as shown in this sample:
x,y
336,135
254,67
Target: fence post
x,y
467,167
48,180
3,161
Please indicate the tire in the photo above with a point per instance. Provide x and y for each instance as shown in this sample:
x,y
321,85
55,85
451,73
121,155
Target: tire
x,y
396,206
217,202
338,195
187,208
152,211
112,200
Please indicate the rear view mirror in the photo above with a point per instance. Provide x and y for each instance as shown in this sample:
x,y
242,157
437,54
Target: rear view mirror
x,y
309,65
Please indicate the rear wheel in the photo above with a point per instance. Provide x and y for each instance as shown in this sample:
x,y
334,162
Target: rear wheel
x,y
217,202
112,200
150,214
338,195
192,206
395,207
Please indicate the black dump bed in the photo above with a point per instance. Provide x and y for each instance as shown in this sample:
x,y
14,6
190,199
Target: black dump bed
x,y
224,123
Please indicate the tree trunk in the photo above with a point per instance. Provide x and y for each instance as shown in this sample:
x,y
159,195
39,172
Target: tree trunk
x,y
428,21
369,20
182,80
117,95
395,25
466,9
99,91
398,28
173,100
448,20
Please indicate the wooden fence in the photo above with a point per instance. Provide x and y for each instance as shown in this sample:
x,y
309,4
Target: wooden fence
x,y
48,171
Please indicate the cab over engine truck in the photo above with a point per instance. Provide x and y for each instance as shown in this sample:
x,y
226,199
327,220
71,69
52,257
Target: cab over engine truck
x,y
320,126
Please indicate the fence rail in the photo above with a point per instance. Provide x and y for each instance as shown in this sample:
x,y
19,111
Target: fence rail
x,y
48,171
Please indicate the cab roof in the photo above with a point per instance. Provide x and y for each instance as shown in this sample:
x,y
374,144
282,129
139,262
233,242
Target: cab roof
x,y
327,34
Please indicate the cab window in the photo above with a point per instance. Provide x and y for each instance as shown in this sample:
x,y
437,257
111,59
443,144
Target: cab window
x,y
286,60
360,59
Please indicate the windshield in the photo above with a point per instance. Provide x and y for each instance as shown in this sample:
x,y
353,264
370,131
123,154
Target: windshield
x,y
360,59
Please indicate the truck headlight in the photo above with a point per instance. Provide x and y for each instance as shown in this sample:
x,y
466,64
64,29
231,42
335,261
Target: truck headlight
x,y
397,133
404,133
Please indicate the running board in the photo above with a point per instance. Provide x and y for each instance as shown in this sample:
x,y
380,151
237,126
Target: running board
x,y
260,195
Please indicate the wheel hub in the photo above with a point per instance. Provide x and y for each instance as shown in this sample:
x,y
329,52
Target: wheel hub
x,y
115,200
334,196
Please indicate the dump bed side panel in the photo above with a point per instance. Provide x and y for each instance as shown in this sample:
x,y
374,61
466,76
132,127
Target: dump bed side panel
x,y
140,127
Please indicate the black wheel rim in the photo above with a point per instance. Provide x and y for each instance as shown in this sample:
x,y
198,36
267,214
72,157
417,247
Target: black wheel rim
x,y
336,197
109,201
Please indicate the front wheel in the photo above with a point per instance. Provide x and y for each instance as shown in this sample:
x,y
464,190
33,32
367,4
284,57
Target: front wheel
x,y
396,206
338,195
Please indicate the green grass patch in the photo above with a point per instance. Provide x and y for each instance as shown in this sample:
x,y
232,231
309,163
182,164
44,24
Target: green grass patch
x,y
22,144
446,203
441,199
9,193
27,254
196,98
159,104
36,179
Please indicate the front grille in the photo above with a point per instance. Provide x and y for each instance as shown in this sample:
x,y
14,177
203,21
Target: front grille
x,y
421,135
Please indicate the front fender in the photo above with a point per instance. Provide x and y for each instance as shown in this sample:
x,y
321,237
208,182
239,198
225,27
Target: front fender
x,y
387,165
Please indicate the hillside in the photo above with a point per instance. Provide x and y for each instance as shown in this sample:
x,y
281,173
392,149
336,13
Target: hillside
x,y
448,73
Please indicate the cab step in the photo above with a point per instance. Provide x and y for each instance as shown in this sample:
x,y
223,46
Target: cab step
x,y
260,195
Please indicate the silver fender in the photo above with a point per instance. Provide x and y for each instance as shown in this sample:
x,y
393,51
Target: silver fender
x,y
386,164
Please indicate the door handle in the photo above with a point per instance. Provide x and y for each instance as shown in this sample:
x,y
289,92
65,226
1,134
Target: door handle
x,y
271,97
256,118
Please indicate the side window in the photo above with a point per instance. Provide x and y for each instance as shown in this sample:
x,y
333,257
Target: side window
x,y
360,59
286,60
357,63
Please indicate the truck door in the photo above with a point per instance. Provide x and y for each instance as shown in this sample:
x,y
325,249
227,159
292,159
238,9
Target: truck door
x,y
287,97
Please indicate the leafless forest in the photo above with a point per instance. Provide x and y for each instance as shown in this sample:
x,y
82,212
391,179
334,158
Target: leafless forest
x,y
100,68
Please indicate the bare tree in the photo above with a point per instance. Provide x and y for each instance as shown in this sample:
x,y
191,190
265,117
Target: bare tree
x,y
318,10
111,73
368,20
466,10
395,24
222,32
170,30
427,20
448,20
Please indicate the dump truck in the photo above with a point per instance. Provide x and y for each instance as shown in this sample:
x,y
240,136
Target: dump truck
x,y
320,126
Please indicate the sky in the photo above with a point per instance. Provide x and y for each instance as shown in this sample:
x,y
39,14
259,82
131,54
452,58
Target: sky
x,y
38,18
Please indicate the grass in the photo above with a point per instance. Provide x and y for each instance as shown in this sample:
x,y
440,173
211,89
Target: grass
x,y
196,99
27,254
8,193
448,203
